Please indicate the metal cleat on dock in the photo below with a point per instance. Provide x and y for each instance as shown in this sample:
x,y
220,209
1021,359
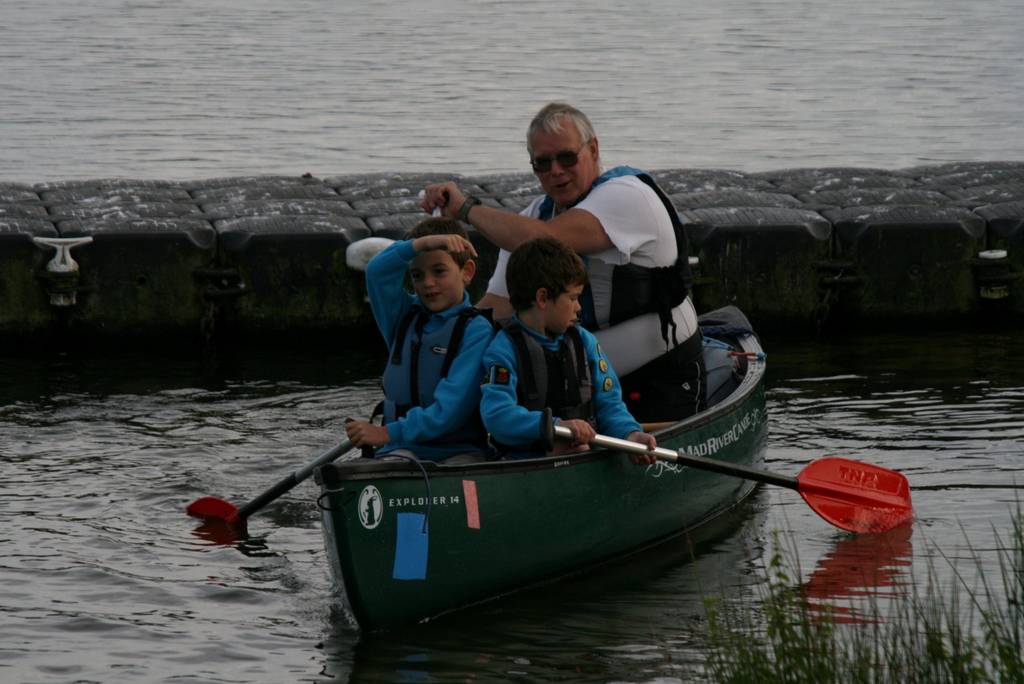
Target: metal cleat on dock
x,y
62,270
993,274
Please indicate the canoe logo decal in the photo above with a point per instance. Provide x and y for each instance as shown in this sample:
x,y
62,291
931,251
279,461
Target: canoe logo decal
x,y
371,506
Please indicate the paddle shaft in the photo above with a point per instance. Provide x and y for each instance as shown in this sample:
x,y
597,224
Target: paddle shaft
x,y
722,467
287,483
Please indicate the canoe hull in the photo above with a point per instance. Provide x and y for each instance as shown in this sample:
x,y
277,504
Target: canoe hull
x,y
407,544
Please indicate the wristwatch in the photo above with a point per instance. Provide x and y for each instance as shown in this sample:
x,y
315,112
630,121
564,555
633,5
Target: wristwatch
x,y
468,204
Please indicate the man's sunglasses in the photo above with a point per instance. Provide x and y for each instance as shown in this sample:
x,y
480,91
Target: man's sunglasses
x,y
566,159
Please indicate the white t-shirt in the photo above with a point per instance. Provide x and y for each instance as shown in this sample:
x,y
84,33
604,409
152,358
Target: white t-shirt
x,y
633,218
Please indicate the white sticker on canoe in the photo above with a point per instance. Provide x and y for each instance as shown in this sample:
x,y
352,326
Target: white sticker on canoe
x,y
419,501
371,507
372,502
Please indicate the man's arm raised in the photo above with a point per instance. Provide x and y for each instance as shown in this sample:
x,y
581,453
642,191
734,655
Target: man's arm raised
x,y
578,229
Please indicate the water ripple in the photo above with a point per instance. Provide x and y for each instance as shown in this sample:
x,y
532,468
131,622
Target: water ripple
x,y
244,88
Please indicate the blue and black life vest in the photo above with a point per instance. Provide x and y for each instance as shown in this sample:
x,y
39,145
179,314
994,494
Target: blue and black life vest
x,y
419,361
559,380
633,290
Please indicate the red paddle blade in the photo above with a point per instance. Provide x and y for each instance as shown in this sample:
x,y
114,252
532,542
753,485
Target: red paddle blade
x,y
212,508
856,496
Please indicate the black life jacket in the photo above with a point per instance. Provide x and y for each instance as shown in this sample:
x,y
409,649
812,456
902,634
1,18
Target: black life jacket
x,y
635,290
560,380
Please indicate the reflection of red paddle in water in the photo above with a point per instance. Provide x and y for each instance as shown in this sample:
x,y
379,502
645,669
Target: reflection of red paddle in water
x,y
859,567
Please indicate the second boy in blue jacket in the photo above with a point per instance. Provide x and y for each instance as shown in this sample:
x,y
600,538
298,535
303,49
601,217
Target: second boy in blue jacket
x,y
542,359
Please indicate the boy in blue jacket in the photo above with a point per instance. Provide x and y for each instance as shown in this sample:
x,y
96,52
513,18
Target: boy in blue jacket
x,y
436,341
540,358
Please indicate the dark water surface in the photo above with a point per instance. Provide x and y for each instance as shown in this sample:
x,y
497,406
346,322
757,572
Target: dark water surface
x,y
103,578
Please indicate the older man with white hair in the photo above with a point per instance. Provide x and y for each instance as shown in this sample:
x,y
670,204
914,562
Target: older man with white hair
x,y
635,249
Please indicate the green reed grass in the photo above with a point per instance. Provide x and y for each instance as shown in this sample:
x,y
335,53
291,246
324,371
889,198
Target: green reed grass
x,y
966,630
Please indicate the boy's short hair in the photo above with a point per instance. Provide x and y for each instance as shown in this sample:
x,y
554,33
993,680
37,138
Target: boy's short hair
x,y
439,225
542,262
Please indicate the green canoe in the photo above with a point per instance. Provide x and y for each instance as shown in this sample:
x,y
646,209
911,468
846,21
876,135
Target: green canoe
x,y
408,542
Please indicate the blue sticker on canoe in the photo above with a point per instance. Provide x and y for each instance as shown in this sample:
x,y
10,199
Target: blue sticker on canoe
x,y
410,548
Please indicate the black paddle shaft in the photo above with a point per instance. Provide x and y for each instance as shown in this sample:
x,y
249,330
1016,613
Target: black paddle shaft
x,y
287,483
737,470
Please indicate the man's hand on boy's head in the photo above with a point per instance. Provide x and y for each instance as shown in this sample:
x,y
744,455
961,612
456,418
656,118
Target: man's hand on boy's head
x,y
453,244
363,433
648,440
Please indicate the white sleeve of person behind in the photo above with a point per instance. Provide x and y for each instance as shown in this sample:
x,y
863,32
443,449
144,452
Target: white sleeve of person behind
x,y
359,253
497,285
635,221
